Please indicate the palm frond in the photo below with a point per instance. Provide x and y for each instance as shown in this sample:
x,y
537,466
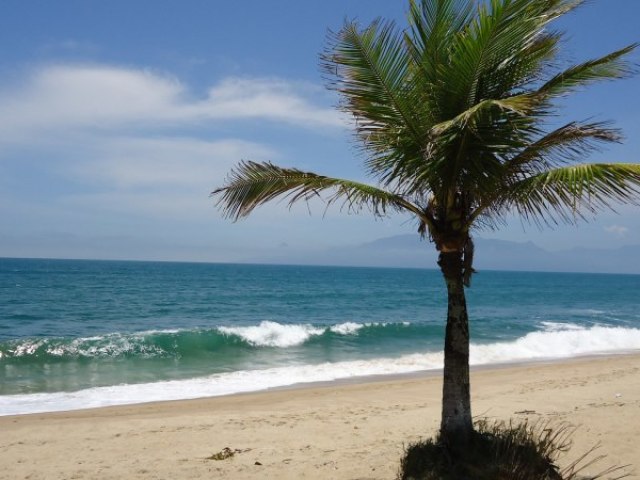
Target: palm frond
x,y
489,113
486,129
475,141
520,105
566,194
561,146
433,23
433,29
557,8
252,184
496,54
609,67
369,68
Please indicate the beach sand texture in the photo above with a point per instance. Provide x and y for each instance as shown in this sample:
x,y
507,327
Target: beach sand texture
x,y
348,431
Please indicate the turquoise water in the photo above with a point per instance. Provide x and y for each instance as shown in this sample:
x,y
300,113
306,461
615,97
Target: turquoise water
x,y
86,333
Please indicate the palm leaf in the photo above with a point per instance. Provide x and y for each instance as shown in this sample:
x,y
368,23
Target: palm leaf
x,y
489,115
521,105
252,184
609,67
433,29
434,24
492,51
369,68
565,194
561,146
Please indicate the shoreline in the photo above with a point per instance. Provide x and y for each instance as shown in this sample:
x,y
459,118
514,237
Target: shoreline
x,y
354,380
341,430
357,380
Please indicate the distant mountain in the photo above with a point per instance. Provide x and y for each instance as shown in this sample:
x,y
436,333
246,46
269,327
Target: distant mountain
x,y
491,254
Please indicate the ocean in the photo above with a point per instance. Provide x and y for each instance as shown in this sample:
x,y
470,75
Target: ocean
x,y
78,334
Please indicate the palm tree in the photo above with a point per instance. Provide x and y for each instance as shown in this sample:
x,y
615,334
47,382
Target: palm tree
x,y
452,114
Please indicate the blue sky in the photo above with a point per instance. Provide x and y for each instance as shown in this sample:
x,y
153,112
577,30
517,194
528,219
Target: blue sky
x,y
118,118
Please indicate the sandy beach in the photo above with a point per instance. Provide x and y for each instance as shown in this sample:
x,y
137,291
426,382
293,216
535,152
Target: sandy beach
x,y
347,431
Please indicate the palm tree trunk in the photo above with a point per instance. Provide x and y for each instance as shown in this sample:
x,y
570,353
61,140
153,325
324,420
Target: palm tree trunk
x,y
456,427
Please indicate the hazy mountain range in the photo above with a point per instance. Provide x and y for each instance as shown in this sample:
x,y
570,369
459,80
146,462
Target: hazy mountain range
x,y
490,254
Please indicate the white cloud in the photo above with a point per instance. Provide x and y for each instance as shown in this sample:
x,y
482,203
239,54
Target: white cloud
x,y
129,140
265,98
137,177
618,230
61,97
182,162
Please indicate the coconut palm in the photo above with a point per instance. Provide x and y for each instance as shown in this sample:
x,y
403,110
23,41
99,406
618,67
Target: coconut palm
x,y
453,116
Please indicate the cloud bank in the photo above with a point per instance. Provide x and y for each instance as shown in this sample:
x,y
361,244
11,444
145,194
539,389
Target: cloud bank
x,y
56,98
135,140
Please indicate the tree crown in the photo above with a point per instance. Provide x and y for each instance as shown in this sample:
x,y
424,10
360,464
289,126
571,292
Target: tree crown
x,y
452,113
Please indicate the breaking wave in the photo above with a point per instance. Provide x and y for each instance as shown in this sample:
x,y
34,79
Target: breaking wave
x,y
189,343
554,341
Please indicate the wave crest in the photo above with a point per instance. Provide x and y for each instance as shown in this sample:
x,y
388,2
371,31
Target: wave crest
x,y
273,334
183,343
558,342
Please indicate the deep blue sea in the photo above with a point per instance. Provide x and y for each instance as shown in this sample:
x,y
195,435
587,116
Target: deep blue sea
x,y
77,334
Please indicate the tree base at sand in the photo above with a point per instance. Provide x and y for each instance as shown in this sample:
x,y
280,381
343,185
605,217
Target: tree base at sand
x,y
503,451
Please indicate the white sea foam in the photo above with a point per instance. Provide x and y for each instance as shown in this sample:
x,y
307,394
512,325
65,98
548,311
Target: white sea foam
x,y
113,344
559,327
214,385
559,343
347,328
27,348
273,334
